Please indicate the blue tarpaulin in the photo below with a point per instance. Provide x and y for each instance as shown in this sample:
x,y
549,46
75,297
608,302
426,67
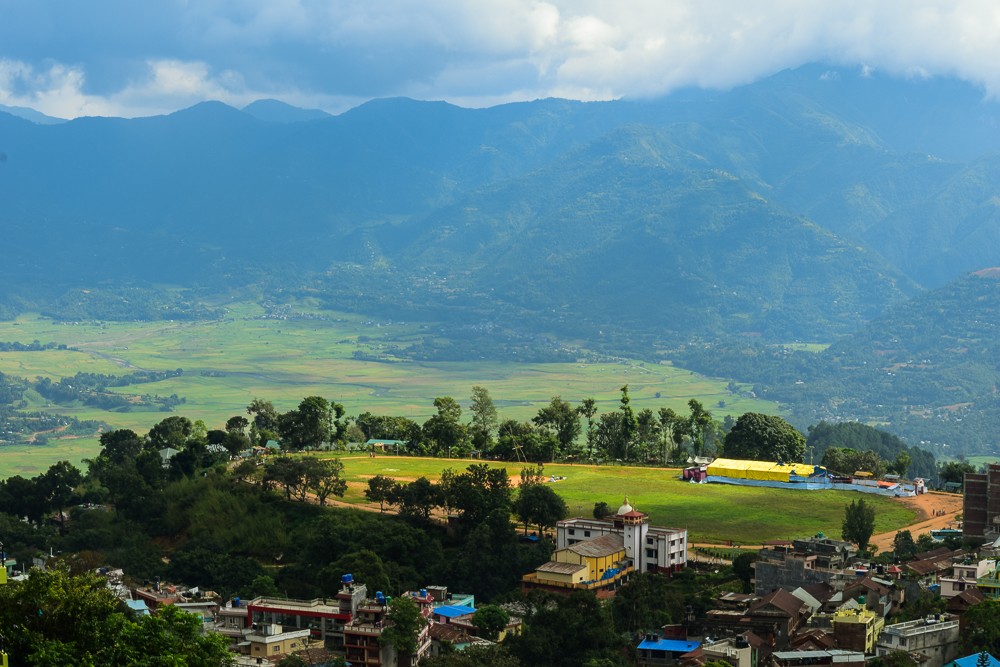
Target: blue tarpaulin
x,y
454,611
678,646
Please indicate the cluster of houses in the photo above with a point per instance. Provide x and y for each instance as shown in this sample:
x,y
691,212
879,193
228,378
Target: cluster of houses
x,y
816,603
350,624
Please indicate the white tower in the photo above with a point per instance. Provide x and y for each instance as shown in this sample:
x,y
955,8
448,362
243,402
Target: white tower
x,y
634,527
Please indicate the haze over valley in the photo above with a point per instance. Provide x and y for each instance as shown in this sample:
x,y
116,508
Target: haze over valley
x,y
716,230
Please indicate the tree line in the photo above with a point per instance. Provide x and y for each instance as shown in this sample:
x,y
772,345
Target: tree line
x,y
562,431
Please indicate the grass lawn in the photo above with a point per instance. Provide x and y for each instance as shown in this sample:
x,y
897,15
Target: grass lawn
x,y
980,461
711,512
229,362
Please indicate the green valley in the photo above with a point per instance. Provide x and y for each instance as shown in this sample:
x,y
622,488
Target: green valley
x,y
348,358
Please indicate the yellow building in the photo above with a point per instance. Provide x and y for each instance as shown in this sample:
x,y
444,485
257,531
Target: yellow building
x,y
271,640
857,629
598,564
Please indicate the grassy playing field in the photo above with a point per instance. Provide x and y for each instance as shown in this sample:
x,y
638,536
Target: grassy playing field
x,y
228,363
980,461
711,512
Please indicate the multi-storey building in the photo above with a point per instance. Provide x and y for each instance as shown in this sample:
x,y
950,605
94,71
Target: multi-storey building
x,y
857,629
324,618
600,555
933,640
964,576
362,645
981,503
651,548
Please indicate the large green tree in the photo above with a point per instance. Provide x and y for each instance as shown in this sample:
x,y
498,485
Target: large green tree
x,y
443,432
496,655
699,426
308,426
648,600
846,460
629,423
490,620
478,492
380,490
561,420
673,428
404,626
859,523
982,628
588,410
484,418
903,545
763,437
57,485
323,478
954,471
540,505
54,618
264,425
568,631
419,498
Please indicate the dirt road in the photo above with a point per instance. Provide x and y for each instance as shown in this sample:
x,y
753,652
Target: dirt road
x,y
935,510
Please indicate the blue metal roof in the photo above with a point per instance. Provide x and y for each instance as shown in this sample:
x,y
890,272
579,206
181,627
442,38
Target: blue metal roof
x,y
455,610
139,606
673,645
971,660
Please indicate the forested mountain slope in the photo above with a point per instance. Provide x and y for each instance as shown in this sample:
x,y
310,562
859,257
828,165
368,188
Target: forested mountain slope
x,y
803,206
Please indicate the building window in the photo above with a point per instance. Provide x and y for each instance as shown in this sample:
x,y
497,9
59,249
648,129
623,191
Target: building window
x,y
649,540
586,533
650,553
572,531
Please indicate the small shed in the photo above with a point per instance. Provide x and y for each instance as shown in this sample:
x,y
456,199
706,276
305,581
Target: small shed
x,y
381,445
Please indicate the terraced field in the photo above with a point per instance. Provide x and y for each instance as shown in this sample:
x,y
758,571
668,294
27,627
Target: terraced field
x,y
229,362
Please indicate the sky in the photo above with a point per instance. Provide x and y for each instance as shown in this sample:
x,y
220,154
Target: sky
x,y
68,58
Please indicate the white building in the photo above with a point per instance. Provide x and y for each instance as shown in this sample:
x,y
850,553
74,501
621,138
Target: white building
x,y
964,576
934,640
651,548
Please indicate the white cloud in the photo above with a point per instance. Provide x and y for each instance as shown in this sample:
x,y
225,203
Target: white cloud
x,y
55,91
323,52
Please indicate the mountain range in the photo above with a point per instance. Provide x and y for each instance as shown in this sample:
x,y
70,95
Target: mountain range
x,y
808,206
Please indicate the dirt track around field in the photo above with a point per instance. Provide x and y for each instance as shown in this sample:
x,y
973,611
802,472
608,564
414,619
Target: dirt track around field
x,y
935,510
929,507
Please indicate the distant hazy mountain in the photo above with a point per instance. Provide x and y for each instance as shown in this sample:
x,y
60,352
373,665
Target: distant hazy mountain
x,y
800,206
275,111
32,115
928,369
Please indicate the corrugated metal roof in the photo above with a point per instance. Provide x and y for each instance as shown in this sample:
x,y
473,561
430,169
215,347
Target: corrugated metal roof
x,y
560,568
813,655
605,545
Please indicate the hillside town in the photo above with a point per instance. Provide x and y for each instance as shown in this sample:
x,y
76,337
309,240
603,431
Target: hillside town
x,y
803,602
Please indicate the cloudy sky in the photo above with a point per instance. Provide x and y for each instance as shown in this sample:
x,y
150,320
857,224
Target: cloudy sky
x,y
70,58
